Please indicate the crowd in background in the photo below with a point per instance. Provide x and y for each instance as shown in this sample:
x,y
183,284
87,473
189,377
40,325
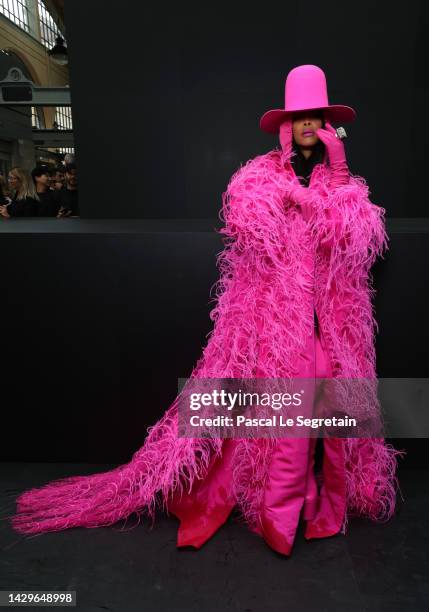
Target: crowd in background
x,y
47,191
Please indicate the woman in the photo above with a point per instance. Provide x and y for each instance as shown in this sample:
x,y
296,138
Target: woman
x,y
24,196
58,178
4,199
48,205
293,300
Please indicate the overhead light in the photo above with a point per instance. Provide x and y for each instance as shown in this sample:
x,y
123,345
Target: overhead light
x,y
58,53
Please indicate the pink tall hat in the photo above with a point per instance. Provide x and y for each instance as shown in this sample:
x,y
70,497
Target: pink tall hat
x,y
306,89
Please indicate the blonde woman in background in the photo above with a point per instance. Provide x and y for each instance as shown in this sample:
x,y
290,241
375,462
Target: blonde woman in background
x,y
4,199
24,202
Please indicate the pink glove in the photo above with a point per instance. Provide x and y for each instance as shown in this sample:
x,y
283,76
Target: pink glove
x,y
302,197
337,156
297,194
286,138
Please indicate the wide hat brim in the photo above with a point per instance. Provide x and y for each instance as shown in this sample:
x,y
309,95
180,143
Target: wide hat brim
x,y
271,121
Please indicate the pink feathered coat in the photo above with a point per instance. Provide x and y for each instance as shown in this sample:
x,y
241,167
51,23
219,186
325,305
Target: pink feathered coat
x,y
276,270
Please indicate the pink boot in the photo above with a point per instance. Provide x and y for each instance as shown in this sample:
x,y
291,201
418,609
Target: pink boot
x,y
332,505
207,507
290,482
285,492
328,518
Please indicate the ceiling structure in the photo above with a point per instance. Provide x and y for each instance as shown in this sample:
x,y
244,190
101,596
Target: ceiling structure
x,y
56,8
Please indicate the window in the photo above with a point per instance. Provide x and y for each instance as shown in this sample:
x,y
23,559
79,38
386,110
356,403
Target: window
x,y
34,18
48,29
63,118
65,150
37,120
16,11
64,121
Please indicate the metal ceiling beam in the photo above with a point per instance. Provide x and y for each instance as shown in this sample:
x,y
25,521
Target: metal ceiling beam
x,y
53,138
17,90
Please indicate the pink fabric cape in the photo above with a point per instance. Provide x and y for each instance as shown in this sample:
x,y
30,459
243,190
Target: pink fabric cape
x,y
262,316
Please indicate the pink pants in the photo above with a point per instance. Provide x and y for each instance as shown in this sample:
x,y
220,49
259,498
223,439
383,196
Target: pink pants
x,y
290,485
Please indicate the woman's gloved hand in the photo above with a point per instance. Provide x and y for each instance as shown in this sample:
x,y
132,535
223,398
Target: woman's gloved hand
x,y
337,156
286,138
295,194
302,197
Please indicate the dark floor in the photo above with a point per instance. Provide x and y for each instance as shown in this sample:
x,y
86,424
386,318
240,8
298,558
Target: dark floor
x,y
375,567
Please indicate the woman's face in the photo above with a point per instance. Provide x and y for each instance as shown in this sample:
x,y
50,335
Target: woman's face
x,y
304,125
13,180
43,180
58,180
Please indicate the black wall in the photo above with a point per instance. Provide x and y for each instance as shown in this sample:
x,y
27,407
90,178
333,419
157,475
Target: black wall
x,y
167,98
97,330
100,320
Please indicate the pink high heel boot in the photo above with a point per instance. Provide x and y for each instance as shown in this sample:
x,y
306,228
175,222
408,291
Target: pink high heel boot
x,y
284,494
329,517
208,505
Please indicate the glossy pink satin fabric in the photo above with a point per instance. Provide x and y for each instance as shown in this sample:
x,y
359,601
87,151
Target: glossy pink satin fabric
x,y
290,484
329,517
291,477
207,506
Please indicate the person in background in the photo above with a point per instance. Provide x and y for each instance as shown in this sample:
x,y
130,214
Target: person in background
x,y
68,196
51,174
69,158
57,178
48,205
24,200
4,199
